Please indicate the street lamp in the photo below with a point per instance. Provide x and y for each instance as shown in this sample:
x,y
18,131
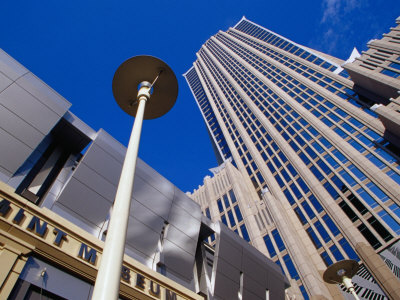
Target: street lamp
x,y
341,272
138,81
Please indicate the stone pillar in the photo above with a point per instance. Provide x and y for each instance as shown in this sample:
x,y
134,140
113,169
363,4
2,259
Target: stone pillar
x,y
12,261
380,271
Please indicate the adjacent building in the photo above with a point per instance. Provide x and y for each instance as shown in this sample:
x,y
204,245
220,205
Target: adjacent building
x,y
308,147
58,182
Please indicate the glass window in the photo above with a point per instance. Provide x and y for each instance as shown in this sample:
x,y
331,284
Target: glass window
x,y
389,221
327,260
308,209
223,219
238,213
336,252
226,201
304,292
296,191
231,218
289,196
208,213
303,185
315,203
378,192
331,225
278,240
331,190
369,236
317,173
232,195
245,234
348,249
324,167
270,246
290,266
221,209
357,172
322,231
313,237
300,215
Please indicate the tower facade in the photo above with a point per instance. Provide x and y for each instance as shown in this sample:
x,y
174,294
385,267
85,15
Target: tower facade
x,y
311,144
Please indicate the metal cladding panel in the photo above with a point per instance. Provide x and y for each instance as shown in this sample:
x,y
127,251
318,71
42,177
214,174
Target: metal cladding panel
x,y
13,153
85,202
29,111
19,128
225,288
234,256
178,260
4,82
150,197
10,67
143,239
23,104
46,95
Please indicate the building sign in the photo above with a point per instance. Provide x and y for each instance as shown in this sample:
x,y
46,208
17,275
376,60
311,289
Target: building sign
x,y
73,246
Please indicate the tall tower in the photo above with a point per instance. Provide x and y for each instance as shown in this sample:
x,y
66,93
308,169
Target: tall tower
x,y
320,162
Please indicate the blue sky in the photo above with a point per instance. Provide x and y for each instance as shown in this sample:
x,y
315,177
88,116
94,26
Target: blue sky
x,y
76,46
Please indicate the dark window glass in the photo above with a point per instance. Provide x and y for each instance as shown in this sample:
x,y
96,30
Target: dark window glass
x,y
369,236
208,213
314,237
226,201
315,203
270,246
223,219
317,173
231,218
308,209
304,292
331,225
271,167
238,213
327,260
296,191
303,185
348,211
232,195
300,215
324,167
331,190
380,229
289,196
245,234
221,209
336,252
322,231
348,249
290,266
278,240
304,158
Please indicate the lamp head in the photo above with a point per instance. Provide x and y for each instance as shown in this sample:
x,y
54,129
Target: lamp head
x,y
137,70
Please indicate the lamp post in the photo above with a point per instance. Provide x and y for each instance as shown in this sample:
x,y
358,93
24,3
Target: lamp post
x,y
341,272
139,82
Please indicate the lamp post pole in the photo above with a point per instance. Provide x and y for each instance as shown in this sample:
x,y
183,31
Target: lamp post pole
x,y
109,274
134,73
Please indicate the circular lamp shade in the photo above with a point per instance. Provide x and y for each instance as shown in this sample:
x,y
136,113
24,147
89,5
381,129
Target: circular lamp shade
x,y
141,68
334,274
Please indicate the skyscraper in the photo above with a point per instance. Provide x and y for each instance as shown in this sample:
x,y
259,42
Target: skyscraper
x,y
316,140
